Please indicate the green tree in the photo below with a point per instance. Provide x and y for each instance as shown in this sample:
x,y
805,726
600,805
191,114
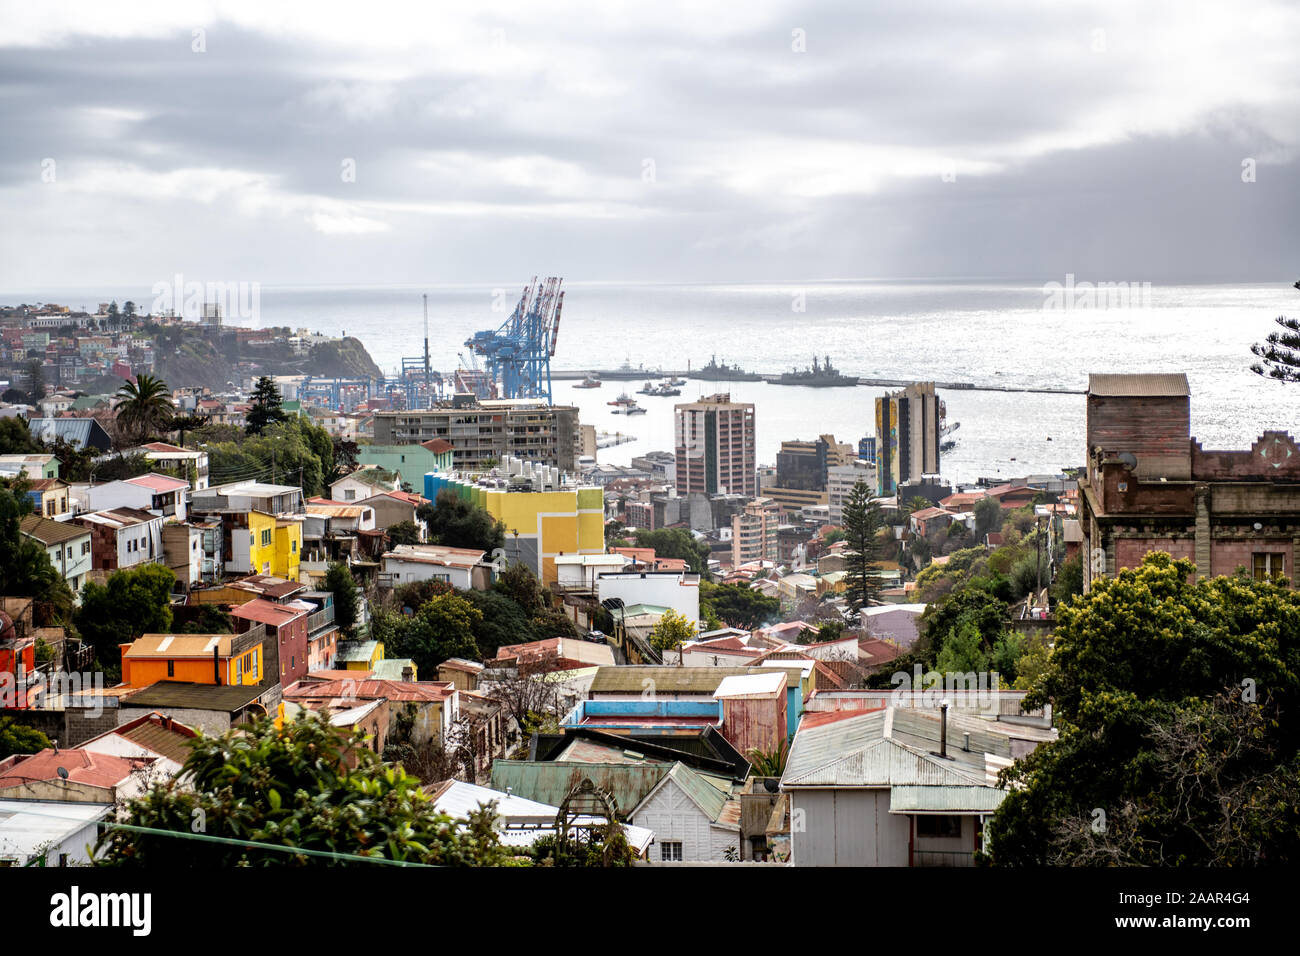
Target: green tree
x,y
187,423
404,532
266,408
677,543
25,568
36,381
340,583
16,738
1280,352
862,522
672,631
737,605
503,622
962,651
288,452
211,619
443,627
144,407
457,523
1175,701
518,583
988,517
16,438
295,788
1069,580
134,601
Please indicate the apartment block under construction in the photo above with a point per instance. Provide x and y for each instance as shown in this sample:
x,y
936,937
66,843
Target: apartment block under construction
x,y
483,433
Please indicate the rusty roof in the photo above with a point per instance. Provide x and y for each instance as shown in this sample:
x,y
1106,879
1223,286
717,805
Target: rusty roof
x,y
1152,384
83,766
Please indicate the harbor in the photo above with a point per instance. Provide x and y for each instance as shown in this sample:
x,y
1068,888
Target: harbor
x,y
628,373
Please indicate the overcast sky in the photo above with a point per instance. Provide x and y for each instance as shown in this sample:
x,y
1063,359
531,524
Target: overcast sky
x,y
653,141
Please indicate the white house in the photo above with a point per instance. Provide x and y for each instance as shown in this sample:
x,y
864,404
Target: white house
x,y
67,544
60,833
365,482
462,568
123,537
581,570
679,590
159,494
693,814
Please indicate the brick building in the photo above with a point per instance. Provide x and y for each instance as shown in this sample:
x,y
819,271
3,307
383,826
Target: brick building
x,y
1151,486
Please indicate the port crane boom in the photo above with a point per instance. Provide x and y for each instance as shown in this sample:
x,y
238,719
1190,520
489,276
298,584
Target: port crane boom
x,y
518,354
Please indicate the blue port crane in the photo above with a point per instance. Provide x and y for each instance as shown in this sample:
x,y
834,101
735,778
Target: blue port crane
x,y
518,355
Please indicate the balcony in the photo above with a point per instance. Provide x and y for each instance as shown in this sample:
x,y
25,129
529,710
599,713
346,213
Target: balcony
x,y
320,620
943,858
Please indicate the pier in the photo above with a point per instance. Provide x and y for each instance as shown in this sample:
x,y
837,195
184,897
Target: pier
x,y
624,374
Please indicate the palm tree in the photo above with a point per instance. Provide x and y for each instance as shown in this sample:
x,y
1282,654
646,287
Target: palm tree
x,y
145,406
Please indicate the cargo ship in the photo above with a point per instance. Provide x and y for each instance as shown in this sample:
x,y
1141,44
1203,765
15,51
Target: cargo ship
x,y
820,375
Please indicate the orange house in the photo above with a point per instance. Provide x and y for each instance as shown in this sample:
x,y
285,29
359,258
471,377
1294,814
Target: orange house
x,y
226,659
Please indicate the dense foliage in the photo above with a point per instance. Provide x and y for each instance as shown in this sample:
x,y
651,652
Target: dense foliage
x,y
455,523
134,601
737,605
304,786
1176,703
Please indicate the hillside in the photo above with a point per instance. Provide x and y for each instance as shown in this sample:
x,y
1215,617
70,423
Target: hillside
x,y
192,356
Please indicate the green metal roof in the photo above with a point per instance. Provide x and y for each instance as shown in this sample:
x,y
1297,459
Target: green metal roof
x,y
550,782
708,792
949,799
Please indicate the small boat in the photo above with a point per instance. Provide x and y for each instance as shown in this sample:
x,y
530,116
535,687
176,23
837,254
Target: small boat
x,y
631,408
675,382
647,389
624,399
589,382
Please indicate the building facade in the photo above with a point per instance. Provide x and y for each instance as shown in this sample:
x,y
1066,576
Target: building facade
x,y
1151,486
907,436
715,447
486,432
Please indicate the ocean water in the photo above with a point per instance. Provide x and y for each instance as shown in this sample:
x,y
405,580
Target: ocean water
x,y
1010,334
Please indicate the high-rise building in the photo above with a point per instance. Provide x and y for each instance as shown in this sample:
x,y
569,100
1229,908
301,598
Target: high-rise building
x,y
715,447
753,532
907,437
483,433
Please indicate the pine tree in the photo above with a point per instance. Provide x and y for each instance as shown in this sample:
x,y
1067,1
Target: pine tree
x,y
266,408
862,522
1280,351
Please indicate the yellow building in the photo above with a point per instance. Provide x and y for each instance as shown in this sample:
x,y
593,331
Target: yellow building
x,y
540,525
274,546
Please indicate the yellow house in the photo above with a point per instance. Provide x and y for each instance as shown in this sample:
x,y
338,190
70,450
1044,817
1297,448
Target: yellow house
x,y
49,497
540,525
359,655
274,545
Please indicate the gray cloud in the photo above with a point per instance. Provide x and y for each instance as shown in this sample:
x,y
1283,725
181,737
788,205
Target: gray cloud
x,y
489,156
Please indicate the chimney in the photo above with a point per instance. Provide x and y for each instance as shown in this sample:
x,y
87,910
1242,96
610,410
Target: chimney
x,y
943,728
408,674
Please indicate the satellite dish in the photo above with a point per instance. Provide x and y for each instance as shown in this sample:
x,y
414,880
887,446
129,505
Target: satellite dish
x,y
63,773
1129,459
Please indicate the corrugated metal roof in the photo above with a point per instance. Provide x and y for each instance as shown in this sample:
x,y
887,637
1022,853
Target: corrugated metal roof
x,y
550,782
52,532
752,685
950,799
710,795
1170,384
668,679
891,747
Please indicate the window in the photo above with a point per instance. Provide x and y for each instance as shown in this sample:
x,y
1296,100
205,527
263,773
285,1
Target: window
x,y
293,546
85,548
266,537
252,540
670,852
1267,565
349,494
938,826
171,668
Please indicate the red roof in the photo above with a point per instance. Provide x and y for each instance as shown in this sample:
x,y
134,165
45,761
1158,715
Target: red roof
x,y
159,483
162,446
83,766
371,689
265,612
439,446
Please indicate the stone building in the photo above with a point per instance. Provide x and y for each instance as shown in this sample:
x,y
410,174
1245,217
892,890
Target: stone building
x,y
1151,486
